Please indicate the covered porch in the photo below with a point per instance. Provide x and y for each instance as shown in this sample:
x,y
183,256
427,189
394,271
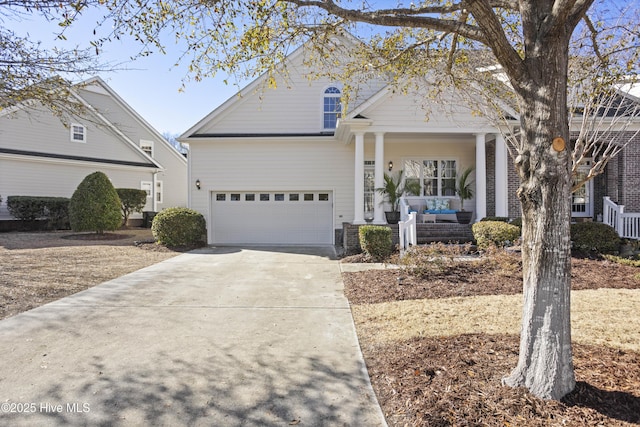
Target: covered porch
x,y
432,160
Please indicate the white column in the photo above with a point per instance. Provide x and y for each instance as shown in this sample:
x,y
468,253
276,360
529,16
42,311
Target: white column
x,y
378,210
481,177
358,200
502,177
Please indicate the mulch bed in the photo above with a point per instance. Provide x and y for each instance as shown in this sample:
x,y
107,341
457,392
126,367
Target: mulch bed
x,y
469,278
456,381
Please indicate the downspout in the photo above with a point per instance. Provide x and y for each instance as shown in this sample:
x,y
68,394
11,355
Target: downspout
x,y
154,184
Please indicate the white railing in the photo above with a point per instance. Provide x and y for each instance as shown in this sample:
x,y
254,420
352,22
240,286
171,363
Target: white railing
x,y
626,224
407,233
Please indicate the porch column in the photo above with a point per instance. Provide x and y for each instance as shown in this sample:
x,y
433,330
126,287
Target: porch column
x,y
502,177
378,209
481,177
358,200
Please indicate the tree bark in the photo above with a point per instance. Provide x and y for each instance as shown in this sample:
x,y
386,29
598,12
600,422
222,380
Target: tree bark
x,y
545,365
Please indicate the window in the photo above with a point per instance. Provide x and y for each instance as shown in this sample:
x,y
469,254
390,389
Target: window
x,y
369,188
235,197
221,197
278,197
323,197
294,197
249,197
264,197
431,177
581,199
308,197
147,147
147,186
332,108
159,191
78,133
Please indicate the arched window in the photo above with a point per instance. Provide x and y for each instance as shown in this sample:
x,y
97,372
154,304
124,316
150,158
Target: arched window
x,y
332,107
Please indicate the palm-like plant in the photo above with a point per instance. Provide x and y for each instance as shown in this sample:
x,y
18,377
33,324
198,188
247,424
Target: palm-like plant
x,y
463,186
393,190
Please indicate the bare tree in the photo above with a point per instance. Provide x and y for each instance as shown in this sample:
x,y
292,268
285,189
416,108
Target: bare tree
x,y
34,75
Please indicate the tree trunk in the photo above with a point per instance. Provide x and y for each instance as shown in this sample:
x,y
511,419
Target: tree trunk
x,y
545,365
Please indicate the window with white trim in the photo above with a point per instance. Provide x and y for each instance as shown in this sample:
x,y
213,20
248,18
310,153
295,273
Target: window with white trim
x,y
77,133
147,147
332,107
147,186
159,194
435,177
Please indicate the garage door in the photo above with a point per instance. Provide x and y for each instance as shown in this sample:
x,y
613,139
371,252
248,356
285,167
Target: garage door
x,y
290,218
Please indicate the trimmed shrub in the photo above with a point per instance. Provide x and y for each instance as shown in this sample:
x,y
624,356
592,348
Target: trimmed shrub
x,y
376,241
133,200
95,205
179,227
29,208
517,222
495,218
494,233
595,237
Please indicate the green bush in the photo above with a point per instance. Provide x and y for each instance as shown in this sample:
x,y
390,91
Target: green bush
x,y
133,200
376,241
494,233
179,227
29,208
595,237
95,205
517,222
495,218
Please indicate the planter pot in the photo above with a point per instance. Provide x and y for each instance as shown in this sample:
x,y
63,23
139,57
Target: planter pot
x,y
392,217
464,217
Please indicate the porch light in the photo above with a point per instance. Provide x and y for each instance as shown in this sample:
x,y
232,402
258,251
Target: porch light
x,y
198,184
390,166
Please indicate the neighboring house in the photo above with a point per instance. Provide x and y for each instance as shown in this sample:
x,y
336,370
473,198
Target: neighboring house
x,y
40,156
281,166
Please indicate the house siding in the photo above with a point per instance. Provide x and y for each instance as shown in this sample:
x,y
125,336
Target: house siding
x,y
286,164
174,174
40,131
57,179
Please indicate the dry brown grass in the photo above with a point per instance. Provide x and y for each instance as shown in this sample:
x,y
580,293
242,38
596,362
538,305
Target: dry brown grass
x,y
37,268
599,317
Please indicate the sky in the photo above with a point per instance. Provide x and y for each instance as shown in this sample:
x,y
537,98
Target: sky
x,y
150,85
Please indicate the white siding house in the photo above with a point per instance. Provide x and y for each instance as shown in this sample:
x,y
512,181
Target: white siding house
x,y
279,166
40,156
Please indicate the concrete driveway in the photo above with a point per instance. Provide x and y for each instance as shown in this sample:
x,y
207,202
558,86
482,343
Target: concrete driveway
x,y
215,337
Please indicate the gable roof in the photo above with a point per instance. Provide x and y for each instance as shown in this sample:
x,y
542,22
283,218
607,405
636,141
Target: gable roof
x,y
98,81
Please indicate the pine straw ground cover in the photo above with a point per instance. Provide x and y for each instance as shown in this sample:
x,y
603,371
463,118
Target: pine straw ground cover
x,y
437,345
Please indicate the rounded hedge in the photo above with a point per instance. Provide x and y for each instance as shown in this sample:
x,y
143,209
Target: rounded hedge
x,y
95,205
179,227
376,241
595,237
494,233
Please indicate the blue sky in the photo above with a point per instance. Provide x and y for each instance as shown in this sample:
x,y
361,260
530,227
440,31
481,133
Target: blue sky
x,y
150,85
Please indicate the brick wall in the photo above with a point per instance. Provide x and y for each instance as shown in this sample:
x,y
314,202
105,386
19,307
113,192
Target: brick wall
x,y
631,172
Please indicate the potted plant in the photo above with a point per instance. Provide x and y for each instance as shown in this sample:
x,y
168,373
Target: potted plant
x,y
393,190
465,192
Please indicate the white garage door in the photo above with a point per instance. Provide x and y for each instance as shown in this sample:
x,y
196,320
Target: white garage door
x,y
259,217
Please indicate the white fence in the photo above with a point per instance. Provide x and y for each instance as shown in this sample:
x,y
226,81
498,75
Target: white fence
x,y
626,224
407,233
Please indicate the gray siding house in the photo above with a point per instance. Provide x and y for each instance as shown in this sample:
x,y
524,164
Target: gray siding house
x,y
40,156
